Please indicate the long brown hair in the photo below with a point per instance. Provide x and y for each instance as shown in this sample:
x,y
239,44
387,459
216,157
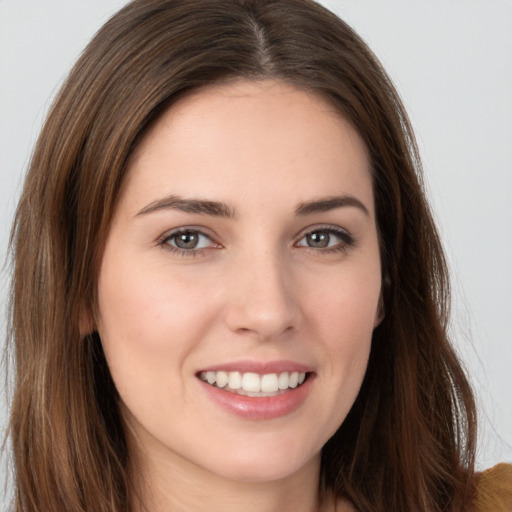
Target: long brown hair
x,y
408,442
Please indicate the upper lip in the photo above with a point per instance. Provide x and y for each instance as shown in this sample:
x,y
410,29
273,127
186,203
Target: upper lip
x,y
259,367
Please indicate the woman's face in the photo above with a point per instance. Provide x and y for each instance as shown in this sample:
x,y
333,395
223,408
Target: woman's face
x,y
243,252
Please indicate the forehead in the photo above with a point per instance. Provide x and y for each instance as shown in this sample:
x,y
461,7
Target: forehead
x,y
245,136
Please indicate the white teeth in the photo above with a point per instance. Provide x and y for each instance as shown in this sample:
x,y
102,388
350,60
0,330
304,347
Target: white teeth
x,y
222,379
251,382
283,380
234,380
269,383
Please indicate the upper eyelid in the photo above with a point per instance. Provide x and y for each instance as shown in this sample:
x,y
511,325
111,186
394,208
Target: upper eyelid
x,y
183,229
322,227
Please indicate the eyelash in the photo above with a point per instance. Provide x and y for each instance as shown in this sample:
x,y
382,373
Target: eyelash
x,y
165,239
347,241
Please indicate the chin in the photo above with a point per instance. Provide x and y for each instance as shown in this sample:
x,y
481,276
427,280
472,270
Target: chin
x,y
261,464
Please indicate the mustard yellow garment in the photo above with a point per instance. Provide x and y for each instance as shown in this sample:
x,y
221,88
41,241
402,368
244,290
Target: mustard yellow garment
x,y
494,490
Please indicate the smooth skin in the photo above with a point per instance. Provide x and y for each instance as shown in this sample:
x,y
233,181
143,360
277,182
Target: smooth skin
x,y
246,231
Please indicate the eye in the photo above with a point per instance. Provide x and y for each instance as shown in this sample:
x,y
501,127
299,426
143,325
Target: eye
x,y
327,239
187,240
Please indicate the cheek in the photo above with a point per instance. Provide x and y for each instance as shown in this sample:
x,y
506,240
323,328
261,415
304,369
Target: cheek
x,y
150,306
345,304
344,312
149,322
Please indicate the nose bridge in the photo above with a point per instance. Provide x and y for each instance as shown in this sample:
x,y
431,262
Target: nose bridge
x,y
262,299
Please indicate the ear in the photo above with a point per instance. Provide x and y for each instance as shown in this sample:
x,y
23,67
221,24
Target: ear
x,y
380,313
86,323
381,310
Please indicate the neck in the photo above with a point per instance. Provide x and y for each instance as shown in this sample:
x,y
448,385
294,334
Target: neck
x,y
181,486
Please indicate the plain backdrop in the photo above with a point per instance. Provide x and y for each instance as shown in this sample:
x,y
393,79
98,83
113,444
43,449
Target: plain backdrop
x,y
452,64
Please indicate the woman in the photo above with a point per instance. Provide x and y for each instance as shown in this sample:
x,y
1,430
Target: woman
x,y
238,297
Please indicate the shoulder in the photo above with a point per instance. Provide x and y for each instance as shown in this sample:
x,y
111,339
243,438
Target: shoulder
x,y
493,490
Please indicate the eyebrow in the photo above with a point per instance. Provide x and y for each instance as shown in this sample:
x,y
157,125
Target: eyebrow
x,y
200,206
330,203
220,209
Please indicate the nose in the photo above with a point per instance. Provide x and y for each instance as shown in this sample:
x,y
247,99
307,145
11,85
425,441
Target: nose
x,y
262,297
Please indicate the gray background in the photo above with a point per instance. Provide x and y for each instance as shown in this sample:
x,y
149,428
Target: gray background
x,y
452,64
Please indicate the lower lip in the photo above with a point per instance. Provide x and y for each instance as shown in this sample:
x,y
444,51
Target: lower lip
x,y
260,408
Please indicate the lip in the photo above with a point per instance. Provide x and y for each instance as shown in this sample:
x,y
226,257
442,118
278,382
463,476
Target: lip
x,y
260,408
259,367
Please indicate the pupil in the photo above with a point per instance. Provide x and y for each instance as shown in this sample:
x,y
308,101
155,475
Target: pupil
x,y
318,240
187,240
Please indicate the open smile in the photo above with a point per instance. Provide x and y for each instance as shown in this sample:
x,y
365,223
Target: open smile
x,y
252,384
258,391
